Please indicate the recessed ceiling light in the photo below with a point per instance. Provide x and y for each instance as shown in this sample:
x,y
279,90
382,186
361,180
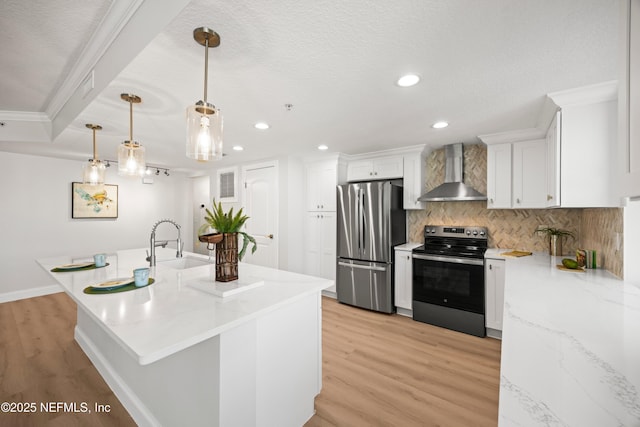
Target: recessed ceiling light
x,y
439,125
322,147
238,148
261,126
408,80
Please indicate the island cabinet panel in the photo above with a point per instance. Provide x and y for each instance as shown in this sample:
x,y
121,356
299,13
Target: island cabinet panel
x,y
264,372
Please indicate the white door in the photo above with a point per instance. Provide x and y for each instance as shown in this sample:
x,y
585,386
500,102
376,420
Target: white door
x,y
260,202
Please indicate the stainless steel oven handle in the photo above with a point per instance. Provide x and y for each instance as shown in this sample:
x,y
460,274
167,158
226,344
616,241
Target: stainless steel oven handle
x,y
363,267
470,261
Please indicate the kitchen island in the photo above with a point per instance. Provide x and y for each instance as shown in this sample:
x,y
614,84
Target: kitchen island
x,y
176,354
570,346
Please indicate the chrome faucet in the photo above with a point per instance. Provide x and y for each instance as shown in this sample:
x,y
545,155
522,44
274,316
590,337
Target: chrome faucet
x,y
152,257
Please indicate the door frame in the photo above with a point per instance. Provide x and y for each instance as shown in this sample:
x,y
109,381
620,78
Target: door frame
x,y
263,165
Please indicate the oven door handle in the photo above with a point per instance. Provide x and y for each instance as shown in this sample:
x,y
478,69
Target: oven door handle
x,y
363,267
470,261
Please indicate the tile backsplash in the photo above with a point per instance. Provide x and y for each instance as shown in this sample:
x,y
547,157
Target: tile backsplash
x,y
514,228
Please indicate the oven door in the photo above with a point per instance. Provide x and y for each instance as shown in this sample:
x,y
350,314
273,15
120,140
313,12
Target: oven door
x,y
449,282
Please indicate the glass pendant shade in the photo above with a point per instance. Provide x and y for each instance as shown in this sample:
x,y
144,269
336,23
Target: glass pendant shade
x,y
130,153
204,132
93,172
131,159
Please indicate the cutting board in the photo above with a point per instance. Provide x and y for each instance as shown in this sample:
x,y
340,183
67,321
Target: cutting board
x,y
516,254
574,270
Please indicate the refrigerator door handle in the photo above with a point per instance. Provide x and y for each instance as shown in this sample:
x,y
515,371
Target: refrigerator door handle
x,y
363,267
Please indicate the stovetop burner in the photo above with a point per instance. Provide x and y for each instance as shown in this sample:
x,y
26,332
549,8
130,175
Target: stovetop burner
x,y
467,242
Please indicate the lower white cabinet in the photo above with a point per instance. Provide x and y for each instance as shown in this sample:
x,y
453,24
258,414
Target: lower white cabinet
x,y
403,264
320,247
494,294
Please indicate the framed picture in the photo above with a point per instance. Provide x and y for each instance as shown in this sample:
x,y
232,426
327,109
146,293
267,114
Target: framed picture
x,y
94,201
227,184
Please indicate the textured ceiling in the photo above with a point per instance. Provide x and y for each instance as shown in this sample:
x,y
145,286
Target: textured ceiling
x,y
485,67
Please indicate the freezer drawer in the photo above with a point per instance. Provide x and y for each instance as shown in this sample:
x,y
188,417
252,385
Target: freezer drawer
x,y
365,284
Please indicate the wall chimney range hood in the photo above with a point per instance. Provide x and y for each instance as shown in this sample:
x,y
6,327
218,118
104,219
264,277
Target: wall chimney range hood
x,y
453,189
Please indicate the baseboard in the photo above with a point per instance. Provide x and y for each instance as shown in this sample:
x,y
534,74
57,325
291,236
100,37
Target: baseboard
x,y
404,312
330,294
30,293
494,333
125,395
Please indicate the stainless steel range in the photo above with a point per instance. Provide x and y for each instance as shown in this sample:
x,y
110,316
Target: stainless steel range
x,y
448,278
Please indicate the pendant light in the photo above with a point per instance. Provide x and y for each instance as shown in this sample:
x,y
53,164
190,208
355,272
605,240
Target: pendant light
x,y
204,120
93,172
131,153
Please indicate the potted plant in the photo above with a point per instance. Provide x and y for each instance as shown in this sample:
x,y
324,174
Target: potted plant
x,y
555,237
227,227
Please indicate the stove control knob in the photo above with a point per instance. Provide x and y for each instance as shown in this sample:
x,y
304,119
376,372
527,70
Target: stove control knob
x,y
475,232
482,233
433,231
468,233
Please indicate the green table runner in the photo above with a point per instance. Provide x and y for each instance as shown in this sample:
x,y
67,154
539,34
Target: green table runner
x,y
95,291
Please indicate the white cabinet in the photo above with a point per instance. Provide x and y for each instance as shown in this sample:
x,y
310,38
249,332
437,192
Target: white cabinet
x,y
319,240
320,246
389,167
529,174
403,278
499,176
322,179
494,294
516,175
628,162
588,134
413,184
553,162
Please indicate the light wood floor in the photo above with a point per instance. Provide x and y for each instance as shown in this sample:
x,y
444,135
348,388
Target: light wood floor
x,y
388,370
378,370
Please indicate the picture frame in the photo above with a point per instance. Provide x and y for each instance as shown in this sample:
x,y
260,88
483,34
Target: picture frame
x,y
91,201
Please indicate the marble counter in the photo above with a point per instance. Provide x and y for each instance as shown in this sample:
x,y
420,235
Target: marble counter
x,y
570,347
172,314
175,354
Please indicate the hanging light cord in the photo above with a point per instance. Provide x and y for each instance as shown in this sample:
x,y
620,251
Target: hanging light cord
x,y
206,67
131,121
95,149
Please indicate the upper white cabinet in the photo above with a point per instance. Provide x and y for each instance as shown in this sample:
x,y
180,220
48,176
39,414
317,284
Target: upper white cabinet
x,y
499,176
529,174
321,181
588,129
413,184
553,162
516,175
388,167
628,161
570,163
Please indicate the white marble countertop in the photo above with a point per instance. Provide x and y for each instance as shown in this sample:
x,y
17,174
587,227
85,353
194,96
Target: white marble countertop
x,y
407,246
172,313
570,346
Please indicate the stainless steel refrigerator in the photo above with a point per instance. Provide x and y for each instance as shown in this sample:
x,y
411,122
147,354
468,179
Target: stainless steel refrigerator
x,y
371,222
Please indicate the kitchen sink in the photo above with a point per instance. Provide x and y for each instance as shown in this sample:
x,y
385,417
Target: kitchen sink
x,y
184,263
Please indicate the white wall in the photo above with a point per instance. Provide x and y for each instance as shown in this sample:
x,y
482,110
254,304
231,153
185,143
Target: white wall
x,y
290,207
36,217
